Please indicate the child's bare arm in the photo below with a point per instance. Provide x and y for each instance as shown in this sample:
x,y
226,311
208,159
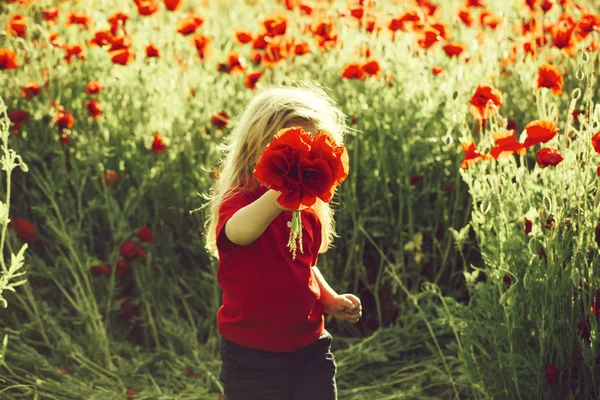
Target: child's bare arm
x,y
249,222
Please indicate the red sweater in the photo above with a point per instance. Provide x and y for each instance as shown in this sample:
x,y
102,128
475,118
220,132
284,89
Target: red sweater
x,y
270,302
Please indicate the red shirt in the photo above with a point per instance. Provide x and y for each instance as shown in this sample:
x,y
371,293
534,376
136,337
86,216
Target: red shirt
x,y
270,302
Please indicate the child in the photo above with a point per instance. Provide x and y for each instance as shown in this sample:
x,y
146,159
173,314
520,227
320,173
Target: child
x,y
274,345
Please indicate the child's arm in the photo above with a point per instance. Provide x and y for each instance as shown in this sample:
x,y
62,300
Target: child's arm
x,y
346,306
249,222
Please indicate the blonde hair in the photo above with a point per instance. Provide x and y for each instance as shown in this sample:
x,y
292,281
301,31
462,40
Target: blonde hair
x,y
264,116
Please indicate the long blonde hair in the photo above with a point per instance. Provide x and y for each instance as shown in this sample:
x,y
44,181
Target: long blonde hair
x,y
264,116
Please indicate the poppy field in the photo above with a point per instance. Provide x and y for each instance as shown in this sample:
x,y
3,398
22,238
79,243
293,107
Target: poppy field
x,y
469,223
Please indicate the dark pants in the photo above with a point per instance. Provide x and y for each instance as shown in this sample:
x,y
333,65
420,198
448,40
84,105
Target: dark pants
x,y
305,374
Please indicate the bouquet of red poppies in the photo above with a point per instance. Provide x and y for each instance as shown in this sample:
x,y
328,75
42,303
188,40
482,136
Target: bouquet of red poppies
x,y
303,168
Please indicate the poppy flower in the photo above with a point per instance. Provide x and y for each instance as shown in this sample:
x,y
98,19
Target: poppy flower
x,y
274,54
201,43
454,49
130,392
562,34
173,5
119,42
145,234
527,226
146,7
73,50
243,36
50,15
17,119
506,144
110,177
128,249
189,24
117,20
157,145
540,131
101,38
8,59
551,373
152,51
220,120
475,3
64,119
547,156
371,67
275,26
550,77
596,142
547,5
17,26
122,56
94,108
471,154
127,310
123,266
93,87
63,139
78,18
485,94
301,48
353,71
24,230
100,270
430,37
261,41
487,18
30,90
251,79
464,14
587,24
437,70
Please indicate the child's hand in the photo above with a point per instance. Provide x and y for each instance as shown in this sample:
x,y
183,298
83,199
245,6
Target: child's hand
x,y
274,195
345,307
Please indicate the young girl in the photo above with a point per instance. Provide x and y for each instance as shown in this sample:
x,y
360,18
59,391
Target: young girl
x,y
274,345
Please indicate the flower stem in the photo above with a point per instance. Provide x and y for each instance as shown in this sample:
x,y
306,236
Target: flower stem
x,y
295,234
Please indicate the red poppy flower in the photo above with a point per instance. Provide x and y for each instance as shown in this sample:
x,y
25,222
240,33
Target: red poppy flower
x,y
152,51
73,50
93,87
157,145
30,90
128,249
146,7
145,234
220,120
24,230
490,19
101,38
276,25
201,42
261,41
454,49
173,5
540,131
50,15
587,24
551,373
78,18
274,54
562,34
371,67
119,42
251,79
64,119
189,24
353,71
110,177
323,148
17,119
243,36
100,270
437,70
527,227
547,156
63,139
122,266
471,154
130,392
430,37
94,108
8,59
122,56
301,48
485,94
596,142
506,144
127,309
17,26
117,20
550,77
465,16
474,3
